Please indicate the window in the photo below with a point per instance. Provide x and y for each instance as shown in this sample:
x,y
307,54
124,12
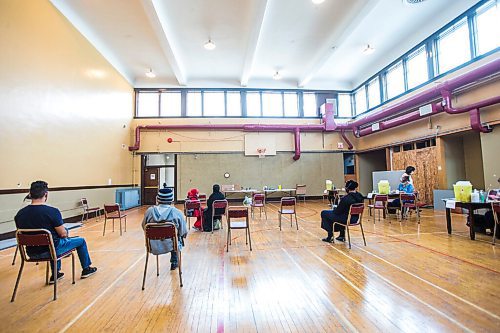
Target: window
x,y
360,100
213,103
373,93
193,104
310,107
170,105
395,80
233,103
453,47
272,104
416,68
344,102
291,104
488,27
148,104
253,104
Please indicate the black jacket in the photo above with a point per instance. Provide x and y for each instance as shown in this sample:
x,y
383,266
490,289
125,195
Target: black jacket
x,y
214,196
346,202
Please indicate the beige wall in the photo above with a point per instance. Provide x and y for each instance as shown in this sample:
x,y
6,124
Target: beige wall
x,y
204,170
454,154
473,159
367,163
65,112
490,143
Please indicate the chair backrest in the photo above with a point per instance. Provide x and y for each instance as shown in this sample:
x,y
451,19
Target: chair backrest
x,y
34,237
192,204
407,197
356,210
202,197
300,189
237,212
219,205
494,195
381,198
288,202
160,231
495,207
258,198
111,209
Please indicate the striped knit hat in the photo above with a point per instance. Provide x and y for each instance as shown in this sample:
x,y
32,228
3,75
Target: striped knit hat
x,y
165,196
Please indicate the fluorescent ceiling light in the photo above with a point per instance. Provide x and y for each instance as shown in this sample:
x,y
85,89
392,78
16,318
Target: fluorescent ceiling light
x,y
150,74
209,45
277,76
368,50
317,2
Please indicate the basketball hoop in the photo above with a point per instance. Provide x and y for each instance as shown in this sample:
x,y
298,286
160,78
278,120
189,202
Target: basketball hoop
x,y
261,152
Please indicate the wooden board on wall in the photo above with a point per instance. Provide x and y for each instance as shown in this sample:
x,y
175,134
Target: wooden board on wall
x,y
425,178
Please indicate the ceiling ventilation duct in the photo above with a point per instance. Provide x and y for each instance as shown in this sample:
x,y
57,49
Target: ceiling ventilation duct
x,y
412,2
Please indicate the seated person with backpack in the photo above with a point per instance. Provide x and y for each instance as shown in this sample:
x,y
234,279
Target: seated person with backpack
x,y
193,195
207,212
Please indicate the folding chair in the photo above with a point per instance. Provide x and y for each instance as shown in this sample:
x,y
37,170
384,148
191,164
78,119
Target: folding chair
x,y
354,210
161,231
113,212
191,205
87,210
408,202
288,205
300,191
495,208
221,207
203,198
238,212
40,237
379,203
259,201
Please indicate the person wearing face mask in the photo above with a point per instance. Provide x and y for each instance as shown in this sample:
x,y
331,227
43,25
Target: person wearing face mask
x,y
340,214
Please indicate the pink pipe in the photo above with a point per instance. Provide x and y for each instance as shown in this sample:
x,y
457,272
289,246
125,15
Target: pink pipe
x,y
349,144
445,104
475,122
296,133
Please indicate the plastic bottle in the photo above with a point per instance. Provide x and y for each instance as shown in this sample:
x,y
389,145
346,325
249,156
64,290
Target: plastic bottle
x,y
475,197
482,196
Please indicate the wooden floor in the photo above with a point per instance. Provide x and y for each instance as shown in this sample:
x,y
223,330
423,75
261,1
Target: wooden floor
x,y
409,278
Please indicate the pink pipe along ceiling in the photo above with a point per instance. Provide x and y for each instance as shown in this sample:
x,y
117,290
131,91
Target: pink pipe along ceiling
x,y
361,127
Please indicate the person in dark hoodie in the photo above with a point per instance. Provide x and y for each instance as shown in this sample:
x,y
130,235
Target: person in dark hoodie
x,y
207,212
340,213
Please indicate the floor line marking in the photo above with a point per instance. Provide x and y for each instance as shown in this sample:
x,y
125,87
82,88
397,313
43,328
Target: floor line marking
x,y
344,320
78,316
401,289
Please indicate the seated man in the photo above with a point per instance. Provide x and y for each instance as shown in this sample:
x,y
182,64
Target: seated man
x,y
207,212
164,211
38,215
340,213
406,187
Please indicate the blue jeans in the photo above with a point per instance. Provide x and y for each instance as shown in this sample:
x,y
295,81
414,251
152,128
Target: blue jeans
x,y
67,244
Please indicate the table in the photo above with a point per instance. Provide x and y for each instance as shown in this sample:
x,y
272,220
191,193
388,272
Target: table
x,y
288,191
471,207
249,191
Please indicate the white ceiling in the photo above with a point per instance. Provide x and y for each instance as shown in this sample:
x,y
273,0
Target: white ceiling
x,y
312,46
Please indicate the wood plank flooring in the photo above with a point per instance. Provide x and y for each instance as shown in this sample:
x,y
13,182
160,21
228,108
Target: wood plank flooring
x,y
409,278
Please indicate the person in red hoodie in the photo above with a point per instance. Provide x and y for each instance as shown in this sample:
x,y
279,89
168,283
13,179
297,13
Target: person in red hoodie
x,y
193,195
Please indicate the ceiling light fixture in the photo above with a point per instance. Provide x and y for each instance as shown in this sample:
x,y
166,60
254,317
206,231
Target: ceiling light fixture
x,y
277,76
150,74
317,2
209,45
368,49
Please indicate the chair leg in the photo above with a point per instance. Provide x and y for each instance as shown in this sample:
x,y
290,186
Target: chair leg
x,y
362,233
279,218
113,224
125,224
349,235
104,230
494,231
179,255
265,212
17,281
418,214
47,274
15,255
157,266
54,275
296,221
145,270
249,238
73,266
120,226
228,236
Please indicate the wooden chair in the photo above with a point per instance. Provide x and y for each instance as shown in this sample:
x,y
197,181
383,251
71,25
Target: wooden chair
x,y
191,205
113,212
221,207
203,198
495,208
87,210
409,202
238,212
354,210
259,201
300,191
379,203
288,205
161,231
40,237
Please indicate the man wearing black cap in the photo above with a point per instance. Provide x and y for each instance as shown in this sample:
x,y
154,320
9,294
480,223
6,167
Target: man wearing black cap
x,y
165,211
38,215
340,213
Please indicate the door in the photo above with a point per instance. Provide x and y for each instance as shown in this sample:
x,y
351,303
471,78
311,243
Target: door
x,y
151,185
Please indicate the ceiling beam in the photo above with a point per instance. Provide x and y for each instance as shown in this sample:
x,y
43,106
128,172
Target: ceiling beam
x,y
335,39
164,33
66,10
253,43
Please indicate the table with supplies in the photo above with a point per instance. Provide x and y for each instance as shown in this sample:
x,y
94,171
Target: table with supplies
x,y
470,206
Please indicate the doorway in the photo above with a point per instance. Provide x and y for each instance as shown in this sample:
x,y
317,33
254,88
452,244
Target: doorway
x,y
158,171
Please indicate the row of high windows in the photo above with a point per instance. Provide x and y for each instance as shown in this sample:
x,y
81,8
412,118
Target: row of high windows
x,y
470,36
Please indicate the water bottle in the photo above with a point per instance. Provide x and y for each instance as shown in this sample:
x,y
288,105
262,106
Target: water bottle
x,y
482,196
